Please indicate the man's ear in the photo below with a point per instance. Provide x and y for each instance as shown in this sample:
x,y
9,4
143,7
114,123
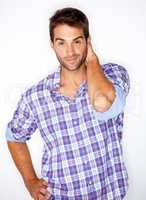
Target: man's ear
x,y
51,44
89,39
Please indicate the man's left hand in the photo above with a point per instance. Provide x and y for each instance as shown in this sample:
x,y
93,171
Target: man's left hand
x,y
90,52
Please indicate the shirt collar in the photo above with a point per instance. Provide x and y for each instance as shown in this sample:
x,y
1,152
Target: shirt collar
x,y
56,79
54,82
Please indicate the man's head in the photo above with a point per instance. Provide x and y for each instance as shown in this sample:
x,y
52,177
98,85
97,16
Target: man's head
x,y
71,17
69,31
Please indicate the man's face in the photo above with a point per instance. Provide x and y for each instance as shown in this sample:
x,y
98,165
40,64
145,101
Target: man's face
x,y
70,46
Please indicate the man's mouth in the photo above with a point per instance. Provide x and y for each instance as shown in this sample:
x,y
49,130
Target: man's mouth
x,y
71,59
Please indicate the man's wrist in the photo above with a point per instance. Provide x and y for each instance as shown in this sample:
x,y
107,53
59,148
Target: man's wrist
x,y
29,180
92,59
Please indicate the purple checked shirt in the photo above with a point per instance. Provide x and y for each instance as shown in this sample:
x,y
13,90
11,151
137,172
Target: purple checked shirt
x,y
82,158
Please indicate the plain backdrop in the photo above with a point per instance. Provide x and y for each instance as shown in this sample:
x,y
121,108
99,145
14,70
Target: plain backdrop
x,y
118,32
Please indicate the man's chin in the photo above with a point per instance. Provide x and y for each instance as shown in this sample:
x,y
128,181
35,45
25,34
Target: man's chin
x,y
71,68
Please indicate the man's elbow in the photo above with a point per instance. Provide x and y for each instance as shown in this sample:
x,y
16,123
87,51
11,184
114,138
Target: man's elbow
x,y
102,103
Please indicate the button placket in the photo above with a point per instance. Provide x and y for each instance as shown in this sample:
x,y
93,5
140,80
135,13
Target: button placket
x,y
75,122
89,183
65,110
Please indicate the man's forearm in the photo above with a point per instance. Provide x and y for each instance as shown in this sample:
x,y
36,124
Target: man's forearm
x,y
100,89
22,159
21,156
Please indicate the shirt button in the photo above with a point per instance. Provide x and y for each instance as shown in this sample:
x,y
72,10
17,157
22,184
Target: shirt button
x,y
65,110
85,162
90,183
82,126
75,122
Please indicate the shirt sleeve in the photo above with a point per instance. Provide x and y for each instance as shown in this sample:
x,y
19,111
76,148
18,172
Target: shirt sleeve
x,y
23,124
118,75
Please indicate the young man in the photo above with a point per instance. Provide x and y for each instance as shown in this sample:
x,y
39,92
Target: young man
x,y
79,112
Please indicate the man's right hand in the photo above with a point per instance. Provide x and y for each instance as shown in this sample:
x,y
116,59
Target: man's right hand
x,y
38,189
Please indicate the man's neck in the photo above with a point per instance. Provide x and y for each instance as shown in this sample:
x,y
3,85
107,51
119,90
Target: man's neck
x,y
73,78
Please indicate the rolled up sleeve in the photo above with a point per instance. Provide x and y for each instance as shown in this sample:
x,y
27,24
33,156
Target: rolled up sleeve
x,y
22,125
119,77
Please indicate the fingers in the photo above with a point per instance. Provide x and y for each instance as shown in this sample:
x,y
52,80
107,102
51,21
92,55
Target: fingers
x,y
89,46
89,41
89,38
44,183
39,190
45,196
43,192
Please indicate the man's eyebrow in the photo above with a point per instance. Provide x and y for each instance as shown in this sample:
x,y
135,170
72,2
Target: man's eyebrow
x,y
79,37
59,39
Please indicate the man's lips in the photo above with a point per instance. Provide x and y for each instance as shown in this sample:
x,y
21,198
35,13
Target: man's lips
x,y
71,59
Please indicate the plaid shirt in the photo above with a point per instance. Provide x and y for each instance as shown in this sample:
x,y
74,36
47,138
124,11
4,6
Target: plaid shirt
x,y
82,156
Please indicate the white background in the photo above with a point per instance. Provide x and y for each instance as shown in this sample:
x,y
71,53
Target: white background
x,y
118,30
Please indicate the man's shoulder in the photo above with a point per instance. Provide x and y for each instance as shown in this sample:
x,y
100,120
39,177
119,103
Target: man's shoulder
x,y
40,87
112,65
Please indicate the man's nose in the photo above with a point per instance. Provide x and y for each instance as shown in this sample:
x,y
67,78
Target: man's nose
x,y
70,50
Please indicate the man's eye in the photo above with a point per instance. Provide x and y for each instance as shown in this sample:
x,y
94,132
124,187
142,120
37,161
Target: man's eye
x,y
78,42
60,43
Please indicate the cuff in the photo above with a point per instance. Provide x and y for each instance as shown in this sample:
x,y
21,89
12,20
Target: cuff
x,y
10,136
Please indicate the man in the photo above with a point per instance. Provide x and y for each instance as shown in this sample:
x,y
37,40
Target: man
x,y
79,112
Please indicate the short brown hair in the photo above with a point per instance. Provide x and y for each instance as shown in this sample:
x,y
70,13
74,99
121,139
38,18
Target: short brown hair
x,y
71,17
